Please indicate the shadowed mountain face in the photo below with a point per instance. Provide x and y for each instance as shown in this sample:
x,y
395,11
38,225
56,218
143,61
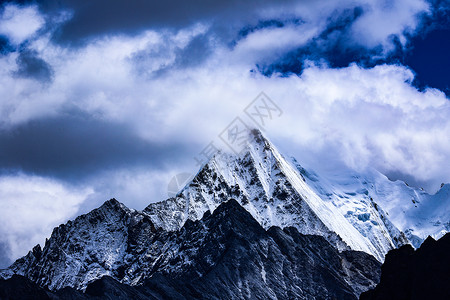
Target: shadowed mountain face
x,y
20,287
225,255
420,274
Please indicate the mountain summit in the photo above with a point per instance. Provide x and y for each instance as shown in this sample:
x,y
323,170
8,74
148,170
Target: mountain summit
x,y
275,192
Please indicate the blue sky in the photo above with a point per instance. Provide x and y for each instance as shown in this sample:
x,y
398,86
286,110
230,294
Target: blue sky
x,y
102,99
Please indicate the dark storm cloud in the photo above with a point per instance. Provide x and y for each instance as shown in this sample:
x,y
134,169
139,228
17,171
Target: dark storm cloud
x,y
71,147
30,65
98,17
264,24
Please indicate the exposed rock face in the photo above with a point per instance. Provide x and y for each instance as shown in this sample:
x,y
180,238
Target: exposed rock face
x,y
225,255
420,274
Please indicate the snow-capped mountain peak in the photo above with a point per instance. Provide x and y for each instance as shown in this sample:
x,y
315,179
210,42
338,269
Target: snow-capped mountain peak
x,y
275,192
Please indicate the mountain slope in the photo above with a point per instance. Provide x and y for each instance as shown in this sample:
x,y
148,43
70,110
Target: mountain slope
x,y
224,255
79,251
411,210
275,192
19,287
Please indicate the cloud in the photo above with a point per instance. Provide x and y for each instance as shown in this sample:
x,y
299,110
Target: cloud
x,y
135,186
267,43
366,32
5,47
382,21
31,207
374,118
380,24
19,23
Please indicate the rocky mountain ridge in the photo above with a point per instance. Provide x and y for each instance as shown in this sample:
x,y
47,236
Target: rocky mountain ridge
x,y
224,255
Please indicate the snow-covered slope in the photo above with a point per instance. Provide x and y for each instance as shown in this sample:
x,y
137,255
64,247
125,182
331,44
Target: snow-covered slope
x,y
411,210
416,212
91,246
275,192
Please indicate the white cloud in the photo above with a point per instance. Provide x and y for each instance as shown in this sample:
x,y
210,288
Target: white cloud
x,y
384,19
31,207
136,187
19,23
274,42
372,117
